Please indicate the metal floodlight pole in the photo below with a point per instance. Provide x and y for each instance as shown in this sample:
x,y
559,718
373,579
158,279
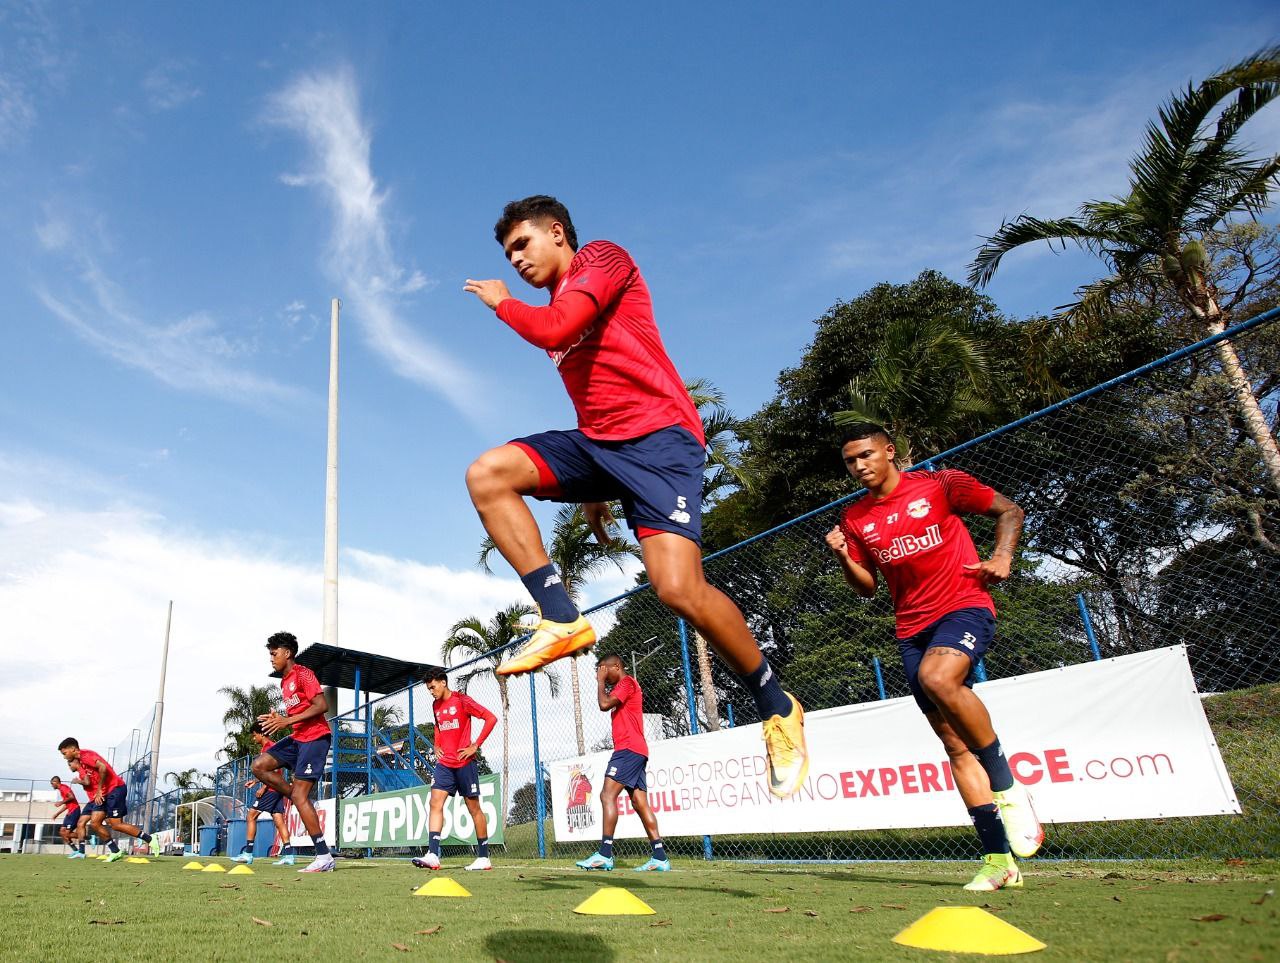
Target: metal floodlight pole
x,y
635,662
156,724
329,628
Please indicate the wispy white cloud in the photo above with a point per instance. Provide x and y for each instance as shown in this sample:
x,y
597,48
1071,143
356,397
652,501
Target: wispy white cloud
x,y
33,60
192,353
324,109
167,87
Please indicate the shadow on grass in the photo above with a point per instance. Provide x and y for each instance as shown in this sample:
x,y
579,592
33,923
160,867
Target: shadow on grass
x,y
627,880
861,877
558,945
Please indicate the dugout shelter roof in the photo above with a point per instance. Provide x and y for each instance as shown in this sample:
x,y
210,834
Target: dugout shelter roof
x,y
336,665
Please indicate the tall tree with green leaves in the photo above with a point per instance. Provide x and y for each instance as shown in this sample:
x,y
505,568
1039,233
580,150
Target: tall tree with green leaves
x,y
474,639
578,557
1190,177
246,706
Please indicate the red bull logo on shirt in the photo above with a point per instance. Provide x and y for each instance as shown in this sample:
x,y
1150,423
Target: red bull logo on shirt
x,y
903,546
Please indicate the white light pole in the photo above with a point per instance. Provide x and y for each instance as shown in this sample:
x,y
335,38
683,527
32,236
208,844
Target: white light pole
x,y
329,629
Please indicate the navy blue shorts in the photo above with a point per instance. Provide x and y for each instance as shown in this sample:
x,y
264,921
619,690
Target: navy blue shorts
x,y
968,630
627,767
90,808
116,803
70,820
462,780
270,802
657,476
307,760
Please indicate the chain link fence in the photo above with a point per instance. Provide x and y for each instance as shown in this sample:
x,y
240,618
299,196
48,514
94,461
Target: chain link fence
x,y
1150,521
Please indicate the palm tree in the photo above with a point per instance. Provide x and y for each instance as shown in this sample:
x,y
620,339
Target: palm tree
x,y
188,779
725,468
246,706
474,639
1189,178
928,384
578,556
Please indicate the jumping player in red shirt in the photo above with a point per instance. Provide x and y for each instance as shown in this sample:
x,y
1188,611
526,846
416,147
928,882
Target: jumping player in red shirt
x,y
265,800
69,809
908,528
455,770
109,792
639,439
619,694
305,752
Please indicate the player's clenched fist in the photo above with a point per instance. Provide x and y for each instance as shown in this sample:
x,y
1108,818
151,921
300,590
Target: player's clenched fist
x,y
836,541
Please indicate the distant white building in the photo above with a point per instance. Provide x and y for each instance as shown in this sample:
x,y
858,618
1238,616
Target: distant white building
x,y
27,824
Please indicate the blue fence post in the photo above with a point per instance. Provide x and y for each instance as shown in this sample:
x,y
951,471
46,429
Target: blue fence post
x,y
413,736
875,664
693,708
537,767
729,707
980,671
1088,627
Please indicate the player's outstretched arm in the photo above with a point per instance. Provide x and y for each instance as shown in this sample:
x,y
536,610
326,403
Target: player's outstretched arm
x,y
1009,519
862,580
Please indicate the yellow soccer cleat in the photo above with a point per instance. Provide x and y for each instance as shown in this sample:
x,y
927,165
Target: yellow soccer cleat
x,y
999,871
784,745
550,641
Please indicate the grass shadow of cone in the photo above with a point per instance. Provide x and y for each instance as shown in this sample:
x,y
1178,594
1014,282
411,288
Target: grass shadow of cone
x,y
193,865
213,868
966,929
442,886
614,901
240,871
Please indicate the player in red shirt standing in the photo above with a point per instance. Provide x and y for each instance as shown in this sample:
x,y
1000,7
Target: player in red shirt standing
x,y
639,439
455,771
305,752
907,527
69,809
109,792
620,694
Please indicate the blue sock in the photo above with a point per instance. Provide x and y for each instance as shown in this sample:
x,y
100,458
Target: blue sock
x,y
433,846
145,837
606,847
322,848
991,835
659,850
286,850
111,845
767,691
482,846
550,595
246,848
996,765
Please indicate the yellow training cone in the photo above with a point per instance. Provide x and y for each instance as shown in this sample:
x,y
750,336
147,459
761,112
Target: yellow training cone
x,y
194,865
137,859
966,929
612,901
240,871
101,856
213,868
441,886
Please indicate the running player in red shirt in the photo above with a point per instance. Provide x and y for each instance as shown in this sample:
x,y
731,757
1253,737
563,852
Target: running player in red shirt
x,y
305,752
86,778
265,800
908,528
110,793
69,805
639,439
455,771
619,694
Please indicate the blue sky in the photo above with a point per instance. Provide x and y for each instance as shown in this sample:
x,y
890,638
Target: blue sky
x,y
186,187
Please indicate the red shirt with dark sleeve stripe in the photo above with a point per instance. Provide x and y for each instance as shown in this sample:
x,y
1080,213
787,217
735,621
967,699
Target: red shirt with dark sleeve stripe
x,y
916,539
68,796
628,718
453,717
91,759
600,332
298,689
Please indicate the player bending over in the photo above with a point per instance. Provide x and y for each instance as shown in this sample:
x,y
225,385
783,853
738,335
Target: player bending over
x,y
907,527
619,694
306,751
69,809
639,439
270,802
455,770
110,793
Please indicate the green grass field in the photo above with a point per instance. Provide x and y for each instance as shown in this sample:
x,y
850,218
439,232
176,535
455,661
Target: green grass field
x,y
1191,910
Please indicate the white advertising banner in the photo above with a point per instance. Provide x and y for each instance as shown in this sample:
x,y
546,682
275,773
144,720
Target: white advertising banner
x,y
1124,738
326,811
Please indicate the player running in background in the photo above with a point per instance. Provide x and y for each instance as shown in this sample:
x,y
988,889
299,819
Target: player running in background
x,y
266,800
907,527
69,809
639,439
455,770
110,793
84,777
304,753
619,694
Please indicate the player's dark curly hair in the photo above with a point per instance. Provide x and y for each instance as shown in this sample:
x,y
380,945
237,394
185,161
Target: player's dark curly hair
x,y
257,729
284,640
539,208
68,743
432,674
858,430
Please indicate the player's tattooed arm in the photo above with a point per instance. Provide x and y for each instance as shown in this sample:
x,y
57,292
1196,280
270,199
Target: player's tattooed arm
x,y
1008,518
862,580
